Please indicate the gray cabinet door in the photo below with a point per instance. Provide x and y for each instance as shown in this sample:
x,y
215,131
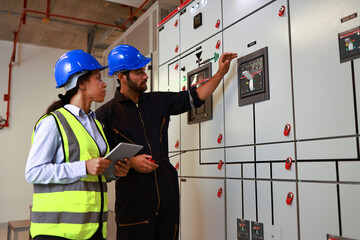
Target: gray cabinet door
x,y
169,37
210,12
268,117
202,211
318,210
323,92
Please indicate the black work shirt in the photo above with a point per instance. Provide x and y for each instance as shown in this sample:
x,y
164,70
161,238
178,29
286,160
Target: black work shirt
x,y
139,196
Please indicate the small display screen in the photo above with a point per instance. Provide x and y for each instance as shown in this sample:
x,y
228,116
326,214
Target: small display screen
x,y
199,78
196,81
196,78
349,44
197,20
252,77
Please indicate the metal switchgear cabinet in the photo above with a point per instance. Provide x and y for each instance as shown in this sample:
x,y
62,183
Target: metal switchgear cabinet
x,y
199,20
169,46
204,134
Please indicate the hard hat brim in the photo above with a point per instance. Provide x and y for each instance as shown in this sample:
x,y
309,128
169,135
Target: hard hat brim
x,y
142,64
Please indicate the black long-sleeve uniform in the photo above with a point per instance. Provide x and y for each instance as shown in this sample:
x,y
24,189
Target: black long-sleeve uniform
x,y
140,196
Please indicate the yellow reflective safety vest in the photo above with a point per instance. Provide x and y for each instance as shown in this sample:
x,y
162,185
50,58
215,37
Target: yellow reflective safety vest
x,y
72,210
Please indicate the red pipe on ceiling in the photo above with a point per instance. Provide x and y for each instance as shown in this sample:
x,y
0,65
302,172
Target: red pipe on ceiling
x,y
48,15
131,16
48,10
76,19
131,9
25,7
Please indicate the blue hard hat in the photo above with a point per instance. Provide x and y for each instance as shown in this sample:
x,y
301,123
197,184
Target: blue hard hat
x,y
73,62
126,57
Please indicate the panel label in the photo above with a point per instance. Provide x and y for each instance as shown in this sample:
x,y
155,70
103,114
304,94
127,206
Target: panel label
x,y
251,44
347,18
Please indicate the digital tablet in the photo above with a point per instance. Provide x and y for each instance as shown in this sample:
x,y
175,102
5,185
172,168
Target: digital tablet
x,y
121,151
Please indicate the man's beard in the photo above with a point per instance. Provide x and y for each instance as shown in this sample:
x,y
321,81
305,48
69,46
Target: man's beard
x,y
132,85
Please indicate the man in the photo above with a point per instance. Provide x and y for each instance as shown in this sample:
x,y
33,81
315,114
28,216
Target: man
x,y
147,199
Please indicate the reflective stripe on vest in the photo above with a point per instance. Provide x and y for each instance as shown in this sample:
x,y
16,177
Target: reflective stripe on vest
x,y
66,217
74,147
76,186
71,210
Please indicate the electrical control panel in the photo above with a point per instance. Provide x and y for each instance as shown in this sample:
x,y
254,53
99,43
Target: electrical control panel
x,y
243,229
257,231
253,77
349,44
196,78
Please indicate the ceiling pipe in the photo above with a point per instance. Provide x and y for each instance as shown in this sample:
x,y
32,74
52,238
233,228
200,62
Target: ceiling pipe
x,y
25,7
48,15
76,19
48,10
13,55
61,21
133,14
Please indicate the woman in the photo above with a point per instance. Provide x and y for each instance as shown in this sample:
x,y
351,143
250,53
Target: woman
x,y
66,161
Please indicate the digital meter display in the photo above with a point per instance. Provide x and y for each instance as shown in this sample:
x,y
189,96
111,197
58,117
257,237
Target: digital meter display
x,y
252,77
349,44
196,78
199,79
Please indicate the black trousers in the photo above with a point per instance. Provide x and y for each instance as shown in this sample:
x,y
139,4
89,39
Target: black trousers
x,y
96,236
158,228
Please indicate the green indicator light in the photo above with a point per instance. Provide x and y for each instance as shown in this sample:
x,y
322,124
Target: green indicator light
x,y
184,78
